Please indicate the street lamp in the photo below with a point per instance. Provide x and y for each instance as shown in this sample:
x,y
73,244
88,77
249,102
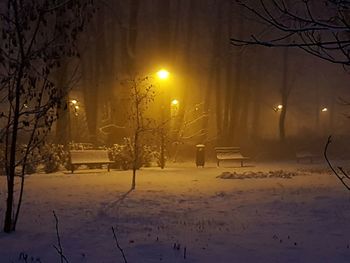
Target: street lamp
x,y
174,108
325,109
174,102
278,108
162,74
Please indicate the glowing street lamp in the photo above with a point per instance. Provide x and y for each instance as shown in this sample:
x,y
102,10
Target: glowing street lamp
x,y
325,109
174,102
163,74
278,108
74,101
174,108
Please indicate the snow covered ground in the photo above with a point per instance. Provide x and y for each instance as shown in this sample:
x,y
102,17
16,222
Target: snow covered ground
x,y
302,217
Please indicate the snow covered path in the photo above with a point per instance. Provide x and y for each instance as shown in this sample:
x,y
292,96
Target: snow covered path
x,y
302,219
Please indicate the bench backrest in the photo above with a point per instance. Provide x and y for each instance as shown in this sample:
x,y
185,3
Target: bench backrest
x,y
227,149
89,156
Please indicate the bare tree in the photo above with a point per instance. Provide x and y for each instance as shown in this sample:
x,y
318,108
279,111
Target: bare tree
x,y
35,36
141,95
320,28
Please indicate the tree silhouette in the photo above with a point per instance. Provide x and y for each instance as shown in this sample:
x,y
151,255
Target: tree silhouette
x,y
35,37
319,28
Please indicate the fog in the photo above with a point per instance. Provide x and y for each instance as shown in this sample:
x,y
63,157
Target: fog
x,y
227,95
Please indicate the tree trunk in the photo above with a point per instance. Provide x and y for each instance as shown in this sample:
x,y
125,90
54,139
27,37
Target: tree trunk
x,y
285,90
214,71
63,125
235,103
8,225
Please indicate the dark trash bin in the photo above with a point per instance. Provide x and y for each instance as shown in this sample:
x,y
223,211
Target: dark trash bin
x,y
200,155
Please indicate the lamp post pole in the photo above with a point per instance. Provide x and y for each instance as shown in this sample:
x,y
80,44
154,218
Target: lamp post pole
x,y
162,75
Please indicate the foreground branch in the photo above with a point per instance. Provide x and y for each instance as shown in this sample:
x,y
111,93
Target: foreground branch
x,y
343,176
59,249
118,246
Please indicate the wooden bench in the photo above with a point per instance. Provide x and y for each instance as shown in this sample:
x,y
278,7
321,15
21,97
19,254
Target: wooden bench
x,y
229,153
88,157
305,155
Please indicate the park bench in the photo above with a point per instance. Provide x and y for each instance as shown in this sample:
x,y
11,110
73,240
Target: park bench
x,y
229,153
305,155
88,157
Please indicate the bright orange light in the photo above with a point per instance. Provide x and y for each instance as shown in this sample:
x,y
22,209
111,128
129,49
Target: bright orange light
x,y
280,107
74,102
324,109
76,107
174,102
163,74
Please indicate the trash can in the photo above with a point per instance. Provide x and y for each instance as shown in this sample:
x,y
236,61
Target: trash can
x,y
200,155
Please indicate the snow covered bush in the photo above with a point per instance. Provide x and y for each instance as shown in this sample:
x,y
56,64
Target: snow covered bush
x,y
54,156
122,155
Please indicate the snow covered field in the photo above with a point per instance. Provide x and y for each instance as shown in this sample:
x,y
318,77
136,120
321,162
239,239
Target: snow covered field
x,y
304,217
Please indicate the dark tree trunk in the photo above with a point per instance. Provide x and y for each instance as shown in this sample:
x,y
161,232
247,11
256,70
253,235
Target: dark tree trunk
x,y
235,104
285,91
63,125
214,71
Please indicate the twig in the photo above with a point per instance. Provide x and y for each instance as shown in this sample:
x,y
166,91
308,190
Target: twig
x,y
340,177
118,246
59,249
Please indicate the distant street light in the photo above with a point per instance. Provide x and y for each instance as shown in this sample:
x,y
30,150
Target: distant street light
x,y
278,108
74,101
174,102
324,109
174,108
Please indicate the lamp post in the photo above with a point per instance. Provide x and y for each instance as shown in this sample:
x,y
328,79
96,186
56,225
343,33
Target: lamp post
x,y
162,74
74,105
174,108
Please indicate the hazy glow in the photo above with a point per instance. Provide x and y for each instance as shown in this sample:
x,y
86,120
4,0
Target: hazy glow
x,y
74,102
174,102
163,74
76,107
280,107
324,110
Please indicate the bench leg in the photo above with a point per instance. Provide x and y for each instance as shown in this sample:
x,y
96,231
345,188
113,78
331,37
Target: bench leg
x,y
218,163
108,167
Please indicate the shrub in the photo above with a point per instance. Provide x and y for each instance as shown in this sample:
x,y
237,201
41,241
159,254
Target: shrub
x,y
123,156
54,156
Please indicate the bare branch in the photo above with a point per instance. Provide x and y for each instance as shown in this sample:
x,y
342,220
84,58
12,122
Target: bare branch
x,y
340,177
118,246
59,249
